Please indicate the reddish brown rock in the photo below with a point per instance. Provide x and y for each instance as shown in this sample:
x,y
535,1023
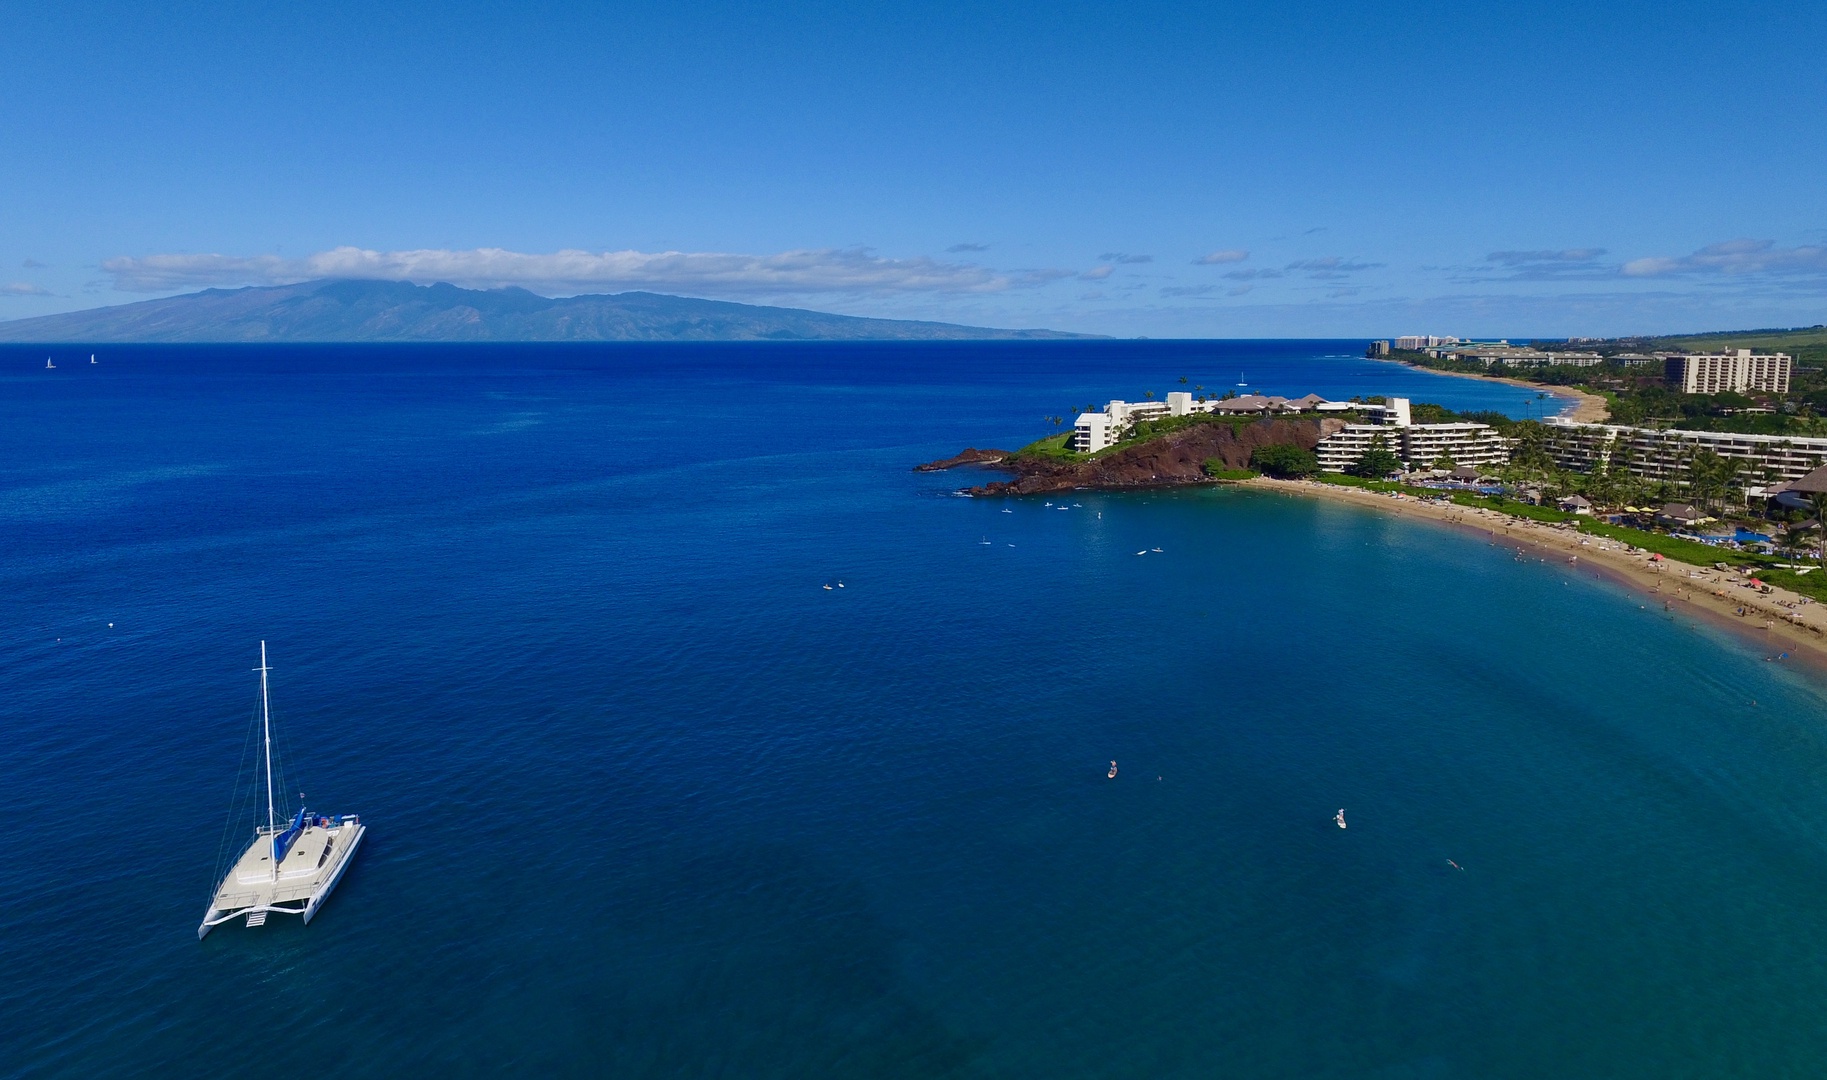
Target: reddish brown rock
x,y
1174,459
967,457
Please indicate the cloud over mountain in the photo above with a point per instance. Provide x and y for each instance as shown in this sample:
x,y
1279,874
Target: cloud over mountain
x,y
802,272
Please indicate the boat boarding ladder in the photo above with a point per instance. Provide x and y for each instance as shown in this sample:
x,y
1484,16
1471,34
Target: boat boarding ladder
x,y
256,918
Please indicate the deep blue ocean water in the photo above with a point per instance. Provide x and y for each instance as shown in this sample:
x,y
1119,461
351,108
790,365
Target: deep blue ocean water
x,y
646,800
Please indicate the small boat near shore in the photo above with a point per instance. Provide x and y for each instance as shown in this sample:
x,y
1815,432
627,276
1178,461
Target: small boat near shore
x,y
289,868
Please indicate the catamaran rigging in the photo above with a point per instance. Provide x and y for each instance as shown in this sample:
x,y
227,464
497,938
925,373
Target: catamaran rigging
x,y
276,872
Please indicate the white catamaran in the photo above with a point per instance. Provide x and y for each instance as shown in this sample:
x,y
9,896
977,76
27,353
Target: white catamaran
x,y
289,868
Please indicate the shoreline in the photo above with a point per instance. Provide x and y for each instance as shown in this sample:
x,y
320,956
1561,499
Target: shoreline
x,y
1581,407
1781,619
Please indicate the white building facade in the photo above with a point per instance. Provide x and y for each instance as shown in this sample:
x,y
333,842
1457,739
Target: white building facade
x,y
1094,431
1740,371
1664,454
1416,445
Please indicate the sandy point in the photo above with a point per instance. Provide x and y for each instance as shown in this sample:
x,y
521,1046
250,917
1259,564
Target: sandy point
x,y
1576,405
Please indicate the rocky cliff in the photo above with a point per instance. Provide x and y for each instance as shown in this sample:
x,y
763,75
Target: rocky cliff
x,y
1173,459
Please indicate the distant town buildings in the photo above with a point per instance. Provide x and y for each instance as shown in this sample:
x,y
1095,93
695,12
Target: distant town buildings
x,y
1416,445
1513,356
1739,371
1377,348
1416,344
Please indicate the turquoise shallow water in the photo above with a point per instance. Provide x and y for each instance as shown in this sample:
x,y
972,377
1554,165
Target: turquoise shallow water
x,y
646,800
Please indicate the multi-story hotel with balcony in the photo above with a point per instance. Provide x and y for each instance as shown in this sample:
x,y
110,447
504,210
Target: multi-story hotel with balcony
x,y
1740,371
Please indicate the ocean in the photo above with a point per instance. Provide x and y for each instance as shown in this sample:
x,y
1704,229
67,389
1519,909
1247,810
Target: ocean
x,y
645,799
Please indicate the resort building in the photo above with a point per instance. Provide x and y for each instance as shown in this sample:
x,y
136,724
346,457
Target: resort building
x,y
1512,356
1664,454
1415,343
1094,431
1461,443
1739,371
1416,445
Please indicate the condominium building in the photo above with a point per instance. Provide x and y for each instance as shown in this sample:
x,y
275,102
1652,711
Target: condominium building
x,y
1415,343
1664,454
1416,445
1739,371
1512,356
1094,431
1475,445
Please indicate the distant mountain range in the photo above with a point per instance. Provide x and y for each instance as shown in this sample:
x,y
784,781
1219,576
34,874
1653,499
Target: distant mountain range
x,y
402,311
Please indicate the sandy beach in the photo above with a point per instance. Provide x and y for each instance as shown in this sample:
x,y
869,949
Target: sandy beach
x,y
1579,407
1787,621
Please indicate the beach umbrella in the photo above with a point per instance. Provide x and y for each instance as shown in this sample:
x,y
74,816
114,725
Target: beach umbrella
x,y
1657,557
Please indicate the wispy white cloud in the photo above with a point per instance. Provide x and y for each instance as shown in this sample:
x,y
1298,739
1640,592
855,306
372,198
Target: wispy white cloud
x,y
1219,258
956,249
1253,274
1125,257
23,288
1530,258
1742,256
33,264
811,271
1098,273
1331,265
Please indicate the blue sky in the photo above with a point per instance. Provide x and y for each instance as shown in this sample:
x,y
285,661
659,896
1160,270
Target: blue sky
x,y
1297,169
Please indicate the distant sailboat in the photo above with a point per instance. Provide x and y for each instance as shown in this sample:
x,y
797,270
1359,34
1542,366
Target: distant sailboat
x,y
1240,381
91,358
48,365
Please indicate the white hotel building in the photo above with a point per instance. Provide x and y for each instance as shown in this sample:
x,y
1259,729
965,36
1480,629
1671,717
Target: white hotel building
x,y
1417,445
1738,371
1094,431
1664,454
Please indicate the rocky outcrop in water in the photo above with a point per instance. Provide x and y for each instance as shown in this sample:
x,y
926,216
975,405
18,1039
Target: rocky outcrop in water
x,y
1170,460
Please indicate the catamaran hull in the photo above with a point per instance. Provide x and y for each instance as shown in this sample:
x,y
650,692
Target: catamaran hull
x,y
216,916
324,893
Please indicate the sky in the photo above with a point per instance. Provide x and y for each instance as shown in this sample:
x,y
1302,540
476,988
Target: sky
x,y
1271,169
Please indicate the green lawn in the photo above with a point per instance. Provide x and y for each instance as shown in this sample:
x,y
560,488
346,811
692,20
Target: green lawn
x,y
1053,446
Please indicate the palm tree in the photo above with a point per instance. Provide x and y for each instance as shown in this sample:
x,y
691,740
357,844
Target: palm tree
x,y
1817,501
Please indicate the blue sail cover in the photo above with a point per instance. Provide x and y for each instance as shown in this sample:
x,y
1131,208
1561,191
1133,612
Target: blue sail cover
x,y
282,843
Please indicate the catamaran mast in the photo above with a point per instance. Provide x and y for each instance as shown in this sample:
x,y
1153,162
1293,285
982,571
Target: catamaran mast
x,y
266,723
